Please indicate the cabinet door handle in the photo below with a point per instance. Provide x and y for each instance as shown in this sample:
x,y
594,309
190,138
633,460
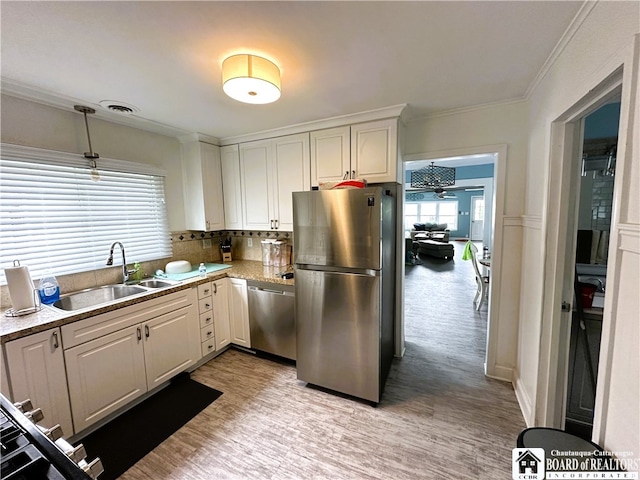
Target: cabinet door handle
x,y
207,305
209,334
208,319
56,344
206,291
146,331
215,289
207,222
276,221
346,175
353,174
139,333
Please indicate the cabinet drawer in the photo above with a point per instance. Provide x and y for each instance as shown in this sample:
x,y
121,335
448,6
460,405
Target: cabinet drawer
x,y
95,327
208,347
205,305
204,290
206,319
207,334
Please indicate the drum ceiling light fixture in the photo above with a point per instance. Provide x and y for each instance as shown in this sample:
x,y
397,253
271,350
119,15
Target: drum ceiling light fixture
x,y
250,79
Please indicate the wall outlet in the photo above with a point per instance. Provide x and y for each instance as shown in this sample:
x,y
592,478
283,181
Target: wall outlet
x,y
206,243
250,242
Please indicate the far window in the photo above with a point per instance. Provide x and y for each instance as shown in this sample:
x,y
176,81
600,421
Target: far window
x,y
431,212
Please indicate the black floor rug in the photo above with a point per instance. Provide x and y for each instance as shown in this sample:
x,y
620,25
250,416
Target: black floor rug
x,y
129,437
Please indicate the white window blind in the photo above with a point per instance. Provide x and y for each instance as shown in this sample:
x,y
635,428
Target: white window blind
x,y
54,216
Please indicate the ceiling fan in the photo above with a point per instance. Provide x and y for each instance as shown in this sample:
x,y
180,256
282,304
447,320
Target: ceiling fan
x,y
441,193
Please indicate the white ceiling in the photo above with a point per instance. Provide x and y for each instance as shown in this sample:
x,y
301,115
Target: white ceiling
x,y
336,58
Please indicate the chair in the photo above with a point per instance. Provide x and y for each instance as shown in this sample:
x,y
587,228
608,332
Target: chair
x,y
481,281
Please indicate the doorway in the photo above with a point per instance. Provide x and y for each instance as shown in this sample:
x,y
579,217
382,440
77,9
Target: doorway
x,y
591,240
475,175
560,259
477,218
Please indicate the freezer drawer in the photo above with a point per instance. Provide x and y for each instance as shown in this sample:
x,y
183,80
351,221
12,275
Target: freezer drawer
x,y
272,321
339,331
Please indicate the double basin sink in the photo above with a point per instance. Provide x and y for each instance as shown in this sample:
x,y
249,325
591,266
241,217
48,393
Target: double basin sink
x,y
108,293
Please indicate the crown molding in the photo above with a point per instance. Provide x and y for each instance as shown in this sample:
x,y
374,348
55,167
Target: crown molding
x,y
462,110
199,137
567,36
31,93
394,111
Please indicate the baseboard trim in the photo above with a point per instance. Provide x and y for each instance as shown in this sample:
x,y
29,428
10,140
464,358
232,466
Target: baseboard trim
x,y
500,373
523,401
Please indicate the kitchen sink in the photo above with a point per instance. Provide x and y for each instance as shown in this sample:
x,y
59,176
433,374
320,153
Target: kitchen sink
x,y
156,283
96,296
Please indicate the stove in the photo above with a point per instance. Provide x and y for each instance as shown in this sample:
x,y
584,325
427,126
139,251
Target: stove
x,y
32,452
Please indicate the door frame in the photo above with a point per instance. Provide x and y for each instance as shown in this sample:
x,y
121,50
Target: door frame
x,y
471,212
562,193
497,204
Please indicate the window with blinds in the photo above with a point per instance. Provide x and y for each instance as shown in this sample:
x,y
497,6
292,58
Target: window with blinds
x,y
53,215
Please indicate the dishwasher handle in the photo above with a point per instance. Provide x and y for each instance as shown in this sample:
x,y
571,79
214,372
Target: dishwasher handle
x,y
269,290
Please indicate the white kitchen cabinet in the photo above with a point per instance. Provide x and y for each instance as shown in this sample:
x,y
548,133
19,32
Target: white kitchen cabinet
x,y
239,312
213,305
365,151
36,367
171,345
118,356
291,173
105,374
202,187
270,171
222,327
374,151
232,194
330,155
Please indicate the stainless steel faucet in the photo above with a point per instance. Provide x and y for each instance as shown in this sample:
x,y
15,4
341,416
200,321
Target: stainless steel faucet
x,y
125,271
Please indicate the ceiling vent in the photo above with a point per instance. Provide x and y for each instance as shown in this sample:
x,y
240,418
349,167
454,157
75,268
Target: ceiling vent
x,y
119,107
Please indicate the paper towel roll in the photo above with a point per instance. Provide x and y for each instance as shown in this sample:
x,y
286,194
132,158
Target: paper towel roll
x,y
21,289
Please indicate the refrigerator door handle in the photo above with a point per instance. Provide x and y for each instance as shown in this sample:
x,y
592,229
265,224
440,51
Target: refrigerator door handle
x,y
369,272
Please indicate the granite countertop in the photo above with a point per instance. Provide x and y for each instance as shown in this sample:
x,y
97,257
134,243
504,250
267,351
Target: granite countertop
x,y
12,328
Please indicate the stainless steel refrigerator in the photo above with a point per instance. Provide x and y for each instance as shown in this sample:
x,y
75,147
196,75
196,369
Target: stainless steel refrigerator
x,y
344,251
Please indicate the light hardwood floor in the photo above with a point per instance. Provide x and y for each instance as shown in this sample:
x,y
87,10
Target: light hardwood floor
x,y
440,417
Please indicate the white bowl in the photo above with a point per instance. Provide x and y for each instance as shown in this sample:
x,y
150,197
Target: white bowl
x,y
179,266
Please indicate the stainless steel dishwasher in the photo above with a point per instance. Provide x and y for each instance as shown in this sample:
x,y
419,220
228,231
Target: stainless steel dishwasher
x,y
272,321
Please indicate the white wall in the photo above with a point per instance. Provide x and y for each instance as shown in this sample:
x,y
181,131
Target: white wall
x,y
602,43
35,125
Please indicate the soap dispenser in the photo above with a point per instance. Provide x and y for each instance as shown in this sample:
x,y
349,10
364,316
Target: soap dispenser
x,y
49,290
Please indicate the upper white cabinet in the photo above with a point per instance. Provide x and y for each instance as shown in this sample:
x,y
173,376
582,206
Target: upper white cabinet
x,y
230,159
330,155
202,186
36,366
365,150
270,171
374,151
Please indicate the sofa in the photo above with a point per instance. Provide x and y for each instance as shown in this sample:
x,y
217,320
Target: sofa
x,y
430,231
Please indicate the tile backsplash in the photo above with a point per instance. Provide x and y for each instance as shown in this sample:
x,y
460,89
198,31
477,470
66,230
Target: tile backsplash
x,y
194,247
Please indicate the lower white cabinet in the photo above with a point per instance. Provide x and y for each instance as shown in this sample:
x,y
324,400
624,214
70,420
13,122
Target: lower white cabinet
x,y
213,307
36,369
105,374
239,312
221,313
109,371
